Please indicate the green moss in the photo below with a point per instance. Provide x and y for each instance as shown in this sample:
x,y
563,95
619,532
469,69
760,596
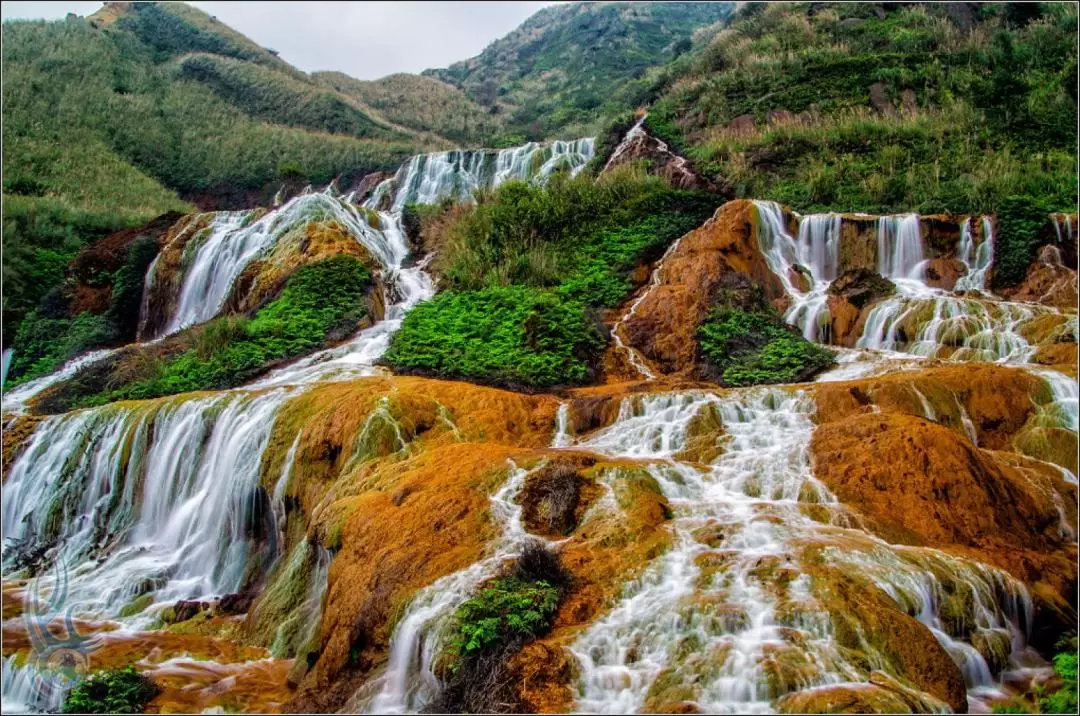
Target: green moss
x,y
756,347
512,336
112,691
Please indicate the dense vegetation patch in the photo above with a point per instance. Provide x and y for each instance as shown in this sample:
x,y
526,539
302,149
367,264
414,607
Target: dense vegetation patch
x,y
112,691
1020,220
507,612
970,105
752,347
527,267
48,336
514,336
581,236
320,303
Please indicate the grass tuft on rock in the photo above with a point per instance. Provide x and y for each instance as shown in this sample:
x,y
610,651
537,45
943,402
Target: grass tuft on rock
x,y
113,691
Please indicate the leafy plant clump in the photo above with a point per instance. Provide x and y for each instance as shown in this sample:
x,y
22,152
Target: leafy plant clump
x,y
1020,219
321,302
514,336
1062,701
113,691
753,347
507,608
507,612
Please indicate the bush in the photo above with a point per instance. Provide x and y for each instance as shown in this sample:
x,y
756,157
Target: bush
x,y
516,337
1020,219
1064,700
113,691
507,612
756,347
43,344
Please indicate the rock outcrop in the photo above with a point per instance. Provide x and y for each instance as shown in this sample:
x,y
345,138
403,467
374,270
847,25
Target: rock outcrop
x,y
663,326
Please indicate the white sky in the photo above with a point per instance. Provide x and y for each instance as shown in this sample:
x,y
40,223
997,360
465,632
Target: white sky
x,y
367,40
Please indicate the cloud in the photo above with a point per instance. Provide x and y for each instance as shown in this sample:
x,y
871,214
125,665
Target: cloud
x,y
364,39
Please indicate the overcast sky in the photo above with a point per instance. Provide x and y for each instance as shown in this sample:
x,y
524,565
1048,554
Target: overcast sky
x,y
364,39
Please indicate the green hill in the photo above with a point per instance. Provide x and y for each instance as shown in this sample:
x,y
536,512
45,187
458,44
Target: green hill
x,y
568,65
145,108
421,103
881,107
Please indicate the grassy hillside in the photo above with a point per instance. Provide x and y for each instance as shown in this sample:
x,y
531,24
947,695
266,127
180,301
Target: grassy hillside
x,y
422,103
144,108
973,103
568,65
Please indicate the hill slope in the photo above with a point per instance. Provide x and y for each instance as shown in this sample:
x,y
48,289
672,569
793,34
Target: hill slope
x,y
882,107
568,64
145,108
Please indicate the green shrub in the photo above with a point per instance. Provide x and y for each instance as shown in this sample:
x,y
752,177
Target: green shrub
x,y
756,347
43,344
515,607
1020,219
112,691
506,608
1064,700
514,336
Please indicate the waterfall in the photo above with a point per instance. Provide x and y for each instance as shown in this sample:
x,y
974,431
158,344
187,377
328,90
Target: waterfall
x,y
159,498
900,247
562,438
1063,227
5,363
15,400
816,250
977,259
25,689
765,462
737,621
430,178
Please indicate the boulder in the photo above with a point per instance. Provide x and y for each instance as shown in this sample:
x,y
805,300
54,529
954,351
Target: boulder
x,y
879,100
882,694
742,124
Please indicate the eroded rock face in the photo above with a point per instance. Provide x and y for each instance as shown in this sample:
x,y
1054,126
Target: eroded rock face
x,y
850,297
97,261
917,481
1048,281
664,326
662,161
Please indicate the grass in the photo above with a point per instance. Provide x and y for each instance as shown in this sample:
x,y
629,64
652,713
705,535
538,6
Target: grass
x,y
320,303
506,612
523,234
979,113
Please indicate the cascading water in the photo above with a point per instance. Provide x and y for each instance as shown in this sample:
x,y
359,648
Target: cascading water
x,y
430,178
900,252
815,251
976,258
716,639
409,681
161,498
